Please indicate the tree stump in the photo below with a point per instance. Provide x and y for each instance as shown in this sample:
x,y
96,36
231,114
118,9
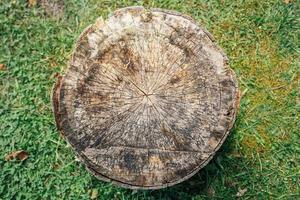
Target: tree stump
x,y
147,99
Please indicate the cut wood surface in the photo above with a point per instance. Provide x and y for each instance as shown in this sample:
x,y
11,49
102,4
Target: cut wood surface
x,y
147,99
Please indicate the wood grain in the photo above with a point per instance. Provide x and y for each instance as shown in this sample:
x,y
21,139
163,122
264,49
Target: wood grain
x,y
147,99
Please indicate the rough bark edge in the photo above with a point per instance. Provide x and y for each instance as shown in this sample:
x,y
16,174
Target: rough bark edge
x,y
235,105
55,95
55,101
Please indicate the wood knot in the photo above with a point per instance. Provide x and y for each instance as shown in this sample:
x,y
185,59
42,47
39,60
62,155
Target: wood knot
x,y
146,16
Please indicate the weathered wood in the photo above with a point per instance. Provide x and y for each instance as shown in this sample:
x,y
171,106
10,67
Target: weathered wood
x,y
147,99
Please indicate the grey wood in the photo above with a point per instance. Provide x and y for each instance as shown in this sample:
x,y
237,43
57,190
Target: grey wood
x,y
147,99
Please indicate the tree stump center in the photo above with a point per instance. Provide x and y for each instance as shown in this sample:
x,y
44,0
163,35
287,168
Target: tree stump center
x,y
148,98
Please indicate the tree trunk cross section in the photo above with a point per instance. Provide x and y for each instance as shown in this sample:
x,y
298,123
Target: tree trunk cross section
x,y
147,99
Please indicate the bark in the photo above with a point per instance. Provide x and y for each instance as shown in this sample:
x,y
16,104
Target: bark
x,y
147,99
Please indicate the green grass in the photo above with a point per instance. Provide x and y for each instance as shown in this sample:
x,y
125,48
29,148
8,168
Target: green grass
x,y
262,154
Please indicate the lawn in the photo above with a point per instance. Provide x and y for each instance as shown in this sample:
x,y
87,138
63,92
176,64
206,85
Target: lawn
x,y
261,157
